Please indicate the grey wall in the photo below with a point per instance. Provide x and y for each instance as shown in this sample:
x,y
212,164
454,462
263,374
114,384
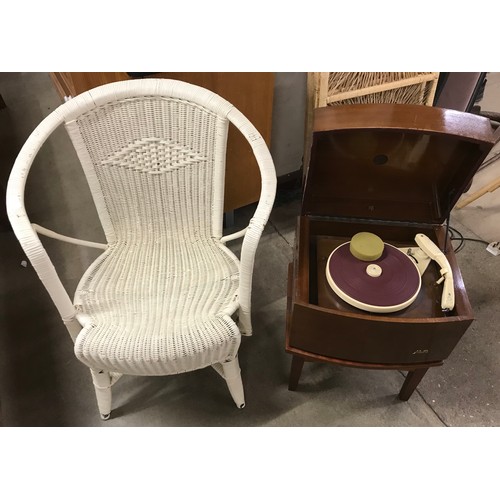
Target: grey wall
x,y
289,111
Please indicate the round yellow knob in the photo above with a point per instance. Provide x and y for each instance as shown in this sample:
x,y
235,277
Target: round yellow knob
x,y
366,246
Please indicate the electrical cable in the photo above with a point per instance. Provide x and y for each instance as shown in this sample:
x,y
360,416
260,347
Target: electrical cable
x,y
458,236
446,233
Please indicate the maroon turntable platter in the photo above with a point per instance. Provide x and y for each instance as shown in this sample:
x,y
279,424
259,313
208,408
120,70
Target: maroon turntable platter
x,y
387,284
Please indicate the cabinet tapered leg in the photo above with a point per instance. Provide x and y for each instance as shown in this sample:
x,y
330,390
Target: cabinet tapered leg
x,y
295,371
412,380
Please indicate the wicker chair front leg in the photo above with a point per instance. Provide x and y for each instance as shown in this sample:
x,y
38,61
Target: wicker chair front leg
x,y
102,385
232,375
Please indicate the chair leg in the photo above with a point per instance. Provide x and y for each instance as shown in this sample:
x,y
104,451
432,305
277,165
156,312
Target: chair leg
x,y
245,323
102,385
413,378
232,373
295,371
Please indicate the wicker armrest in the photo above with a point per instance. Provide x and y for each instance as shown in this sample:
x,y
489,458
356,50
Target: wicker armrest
x,y
21,224
261,215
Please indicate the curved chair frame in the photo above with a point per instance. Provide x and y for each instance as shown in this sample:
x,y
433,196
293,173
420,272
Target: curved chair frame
x,y
26,232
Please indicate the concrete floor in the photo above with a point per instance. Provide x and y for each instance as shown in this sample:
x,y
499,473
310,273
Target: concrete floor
x,y
42,383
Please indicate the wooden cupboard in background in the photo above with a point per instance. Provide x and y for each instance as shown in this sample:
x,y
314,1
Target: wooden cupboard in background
x,y
334,89
251,93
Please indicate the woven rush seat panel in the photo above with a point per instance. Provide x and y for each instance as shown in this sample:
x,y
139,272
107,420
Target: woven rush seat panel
x,y
161,297
159,308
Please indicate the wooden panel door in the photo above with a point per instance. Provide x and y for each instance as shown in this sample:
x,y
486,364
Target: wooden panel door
x,y
251,93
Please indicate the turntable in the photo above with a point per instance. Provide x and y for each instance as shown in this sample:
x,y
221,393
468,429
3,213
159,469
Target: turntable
x,y
374,282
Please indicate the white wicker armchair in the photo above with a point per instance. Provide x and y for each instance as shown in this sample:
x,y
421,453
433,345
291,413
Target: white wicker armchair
x,y
161,297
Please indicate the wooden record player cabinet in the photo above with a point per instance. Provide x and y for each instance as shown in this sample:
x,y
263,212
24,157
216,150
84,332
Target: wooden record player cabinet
x,y
394,170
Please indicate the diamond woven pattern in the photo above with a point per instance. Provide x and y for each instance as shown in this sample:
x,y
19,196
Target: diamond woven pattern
x,y
154,156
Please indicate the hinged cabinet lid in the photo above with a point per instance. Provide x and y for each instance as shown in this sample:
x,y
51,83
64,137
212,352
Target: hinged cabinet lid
x,y
394,162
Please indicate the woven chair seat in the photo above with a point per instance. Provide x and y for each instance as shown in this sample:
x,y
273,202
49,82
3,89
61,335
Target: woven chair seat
x,y
159,308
